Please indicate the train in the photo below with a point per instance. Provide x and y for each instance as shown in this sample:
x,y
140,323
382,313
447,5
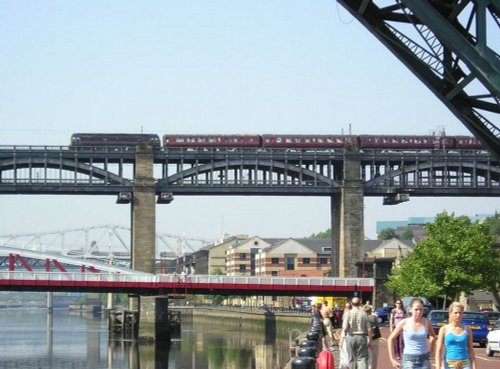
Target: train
x,y
114,139
324,141
380,142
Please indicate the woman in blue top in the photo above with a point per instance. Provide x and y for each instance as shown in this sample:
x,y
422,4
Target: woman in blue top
x,y
457,342
417,347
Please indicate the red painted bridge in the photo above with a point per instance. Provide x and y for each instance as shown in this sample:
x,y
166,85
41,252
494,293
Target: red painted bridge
x,y
29,270
149,284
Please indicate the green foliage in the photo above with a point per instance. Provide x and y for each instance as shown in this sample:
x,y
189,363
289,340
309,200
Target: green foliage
x,y
217,271
493,224
407,235
321,235
456,256
216,299
386,234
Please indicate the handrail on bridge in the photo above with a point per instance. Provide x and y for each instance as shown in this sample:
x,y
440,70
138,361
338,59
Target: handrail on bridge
x,y
193,279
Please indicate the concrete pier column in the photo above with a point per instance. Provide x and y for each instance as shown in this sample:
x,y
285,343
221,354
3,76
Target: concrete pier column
x,y
50,302
335,228
143,212
154,321
351,216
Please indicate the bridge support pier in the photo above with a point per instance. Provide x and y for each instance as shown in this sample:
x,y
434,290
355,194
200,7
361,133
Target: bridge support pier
x,y
335,231
347,219
144,212
154,318
50,302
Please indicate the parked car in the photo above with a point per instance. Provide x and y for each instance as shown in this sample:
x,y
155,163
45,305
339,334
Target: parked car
x,y
493,339
493,316
407,301
477,321
438,318
383,313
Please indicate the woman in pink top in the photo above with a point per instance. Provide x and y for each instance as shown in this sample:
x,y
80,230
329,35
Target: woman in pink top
x,y
398,313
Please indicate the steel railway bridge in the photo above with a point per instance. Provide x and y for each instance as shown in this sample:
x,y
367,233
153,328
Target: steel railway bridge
x,y
344,176
246,171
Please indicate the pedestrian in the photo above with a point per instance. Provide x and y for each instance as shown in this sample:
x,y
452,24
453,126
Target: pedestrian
x,y
318,317
455,348
373,350
347,309
415,330
397,314
357,333
326,314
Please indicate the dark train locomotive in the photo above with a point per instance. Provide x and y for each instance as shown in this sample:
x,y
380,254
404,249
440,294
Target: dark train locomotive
x,y
114,139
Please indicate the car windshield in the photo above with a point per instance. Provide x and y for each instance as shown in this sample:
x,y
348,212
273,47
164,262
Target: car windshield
x,y
476,317
439,315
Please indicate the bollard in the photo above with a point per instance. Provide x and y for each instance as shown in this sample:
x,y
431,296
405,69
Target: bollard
x,y
313,335
304,363
308,343
316,337
317,327
307,352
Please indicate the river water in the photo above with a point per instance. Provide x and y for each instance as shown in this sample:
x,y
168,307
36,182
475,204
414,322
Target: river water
x,y
32,339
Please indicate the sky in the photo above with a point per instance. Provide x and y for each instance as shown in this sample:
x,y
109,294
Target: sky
x,y
249,67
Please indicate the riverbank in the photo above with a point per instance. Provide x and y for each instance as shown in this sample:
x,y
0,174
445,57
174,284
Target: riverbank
x,y
248,314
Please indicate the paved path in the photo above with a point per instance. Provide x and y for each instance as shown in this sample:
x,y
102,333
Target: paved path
x,y
483,361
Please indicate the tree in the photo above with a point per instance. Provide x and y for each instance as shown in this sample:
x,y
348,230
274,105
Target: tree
x,y
407,235
386,234
456,256
494,224
321,235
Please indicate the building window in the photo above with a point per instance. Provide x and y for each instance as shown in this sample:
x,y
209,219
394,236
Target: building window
x,y
275,260
243,256
323,261
306,260
274,273
290,263
243,268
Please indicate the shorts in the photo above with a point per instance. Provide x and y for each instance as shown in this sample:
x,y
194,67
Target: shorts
x,y
415,361
457,364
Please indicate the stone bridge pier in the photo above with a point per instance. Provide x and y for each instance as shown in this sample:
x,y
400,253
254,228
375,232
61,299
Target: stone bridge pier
x,y
347,219
152,310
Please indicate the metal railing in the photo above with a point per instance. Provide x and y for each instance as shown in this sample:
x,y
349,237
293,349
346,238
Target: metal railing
x,y
144,278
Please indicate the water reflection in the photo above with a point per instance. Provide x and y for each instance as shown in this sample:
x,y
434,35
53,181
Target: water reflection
x,y
62,340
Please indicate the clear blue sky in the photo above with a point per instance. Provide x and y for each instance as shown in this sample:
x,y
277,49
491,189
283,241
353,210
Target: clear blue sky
x,y
217,66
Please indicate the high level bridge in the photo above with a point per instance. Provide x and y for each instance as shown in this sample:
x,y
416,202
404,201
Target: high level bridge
x,y
144,176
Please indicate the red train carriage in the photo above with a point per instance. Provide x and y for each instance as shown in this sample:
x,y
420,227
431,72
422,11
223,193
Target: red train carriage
x,y
114,139
211,141
405,142
307,141
467,142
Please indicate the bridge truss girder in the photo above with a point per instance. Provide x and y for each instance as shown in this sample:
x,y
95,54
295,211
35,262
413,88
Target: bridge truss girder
x,y
436,173
453,58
